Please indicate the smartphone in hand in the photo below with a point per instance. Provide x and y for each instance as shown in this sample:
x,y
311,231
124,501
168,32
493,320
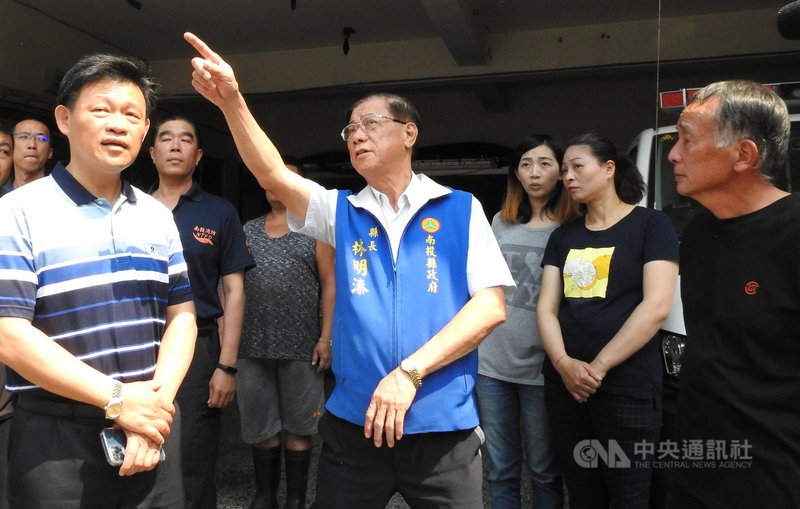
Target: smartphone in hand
x,y
114,442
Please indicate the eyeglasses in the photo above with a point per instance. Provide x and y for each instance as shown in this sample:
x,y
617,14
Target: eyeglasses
x,y
23,136
369,122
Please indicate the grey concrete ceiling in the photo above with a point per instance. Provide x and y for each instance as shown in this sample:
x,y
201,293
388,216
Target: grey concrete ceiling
x,y
148,28
486,70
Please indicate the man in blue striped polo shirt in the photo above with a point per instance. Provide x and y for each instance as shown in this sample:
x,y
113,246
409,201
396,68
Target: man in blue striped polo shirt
x,y
96,313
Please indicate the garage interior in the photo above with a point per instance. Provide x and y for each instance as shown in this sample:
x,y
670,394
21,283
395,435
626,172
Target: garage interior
x,y
483,73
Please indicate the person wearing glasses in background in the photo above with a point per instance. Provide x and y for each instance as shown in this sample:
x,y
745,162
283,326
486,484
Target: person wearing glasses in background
x,y
32,150
419,284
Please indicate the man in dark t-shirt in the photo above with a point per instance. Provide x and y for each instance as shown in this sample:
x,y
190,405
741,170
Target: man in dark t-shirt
x,y
215,249
738,414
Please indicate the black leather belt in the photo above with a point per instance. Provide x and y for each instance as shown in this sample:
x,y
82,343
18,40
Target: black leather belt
x,y
59,408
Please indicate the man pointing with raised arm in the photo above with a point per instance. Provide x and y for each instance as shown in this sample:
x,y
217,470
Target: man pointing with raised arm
x,y
419,285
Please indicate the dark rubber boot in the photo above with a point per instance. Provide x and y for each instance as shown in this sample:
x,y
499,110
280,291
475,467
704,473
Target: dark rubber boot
x,y
267,463
296,478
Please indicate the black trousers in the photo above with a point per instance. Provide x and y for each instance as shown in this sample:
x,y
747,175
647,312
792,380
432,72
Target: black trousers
x,y
5,428
430,470
609,421
56,461
201,425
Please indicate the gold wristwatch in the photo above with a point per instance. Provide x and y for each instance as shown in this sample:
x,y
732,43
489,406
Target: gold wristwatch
x,y
410,367
114,406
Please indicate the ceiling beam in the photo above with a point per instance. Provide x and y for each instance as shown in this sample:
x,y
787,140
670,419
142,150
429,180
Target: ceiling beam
x,y
458,24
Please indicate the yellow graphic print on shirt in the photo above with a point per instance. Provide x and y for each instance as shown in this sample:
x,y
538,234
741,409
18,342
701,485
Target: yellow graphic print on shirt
x,y
586,272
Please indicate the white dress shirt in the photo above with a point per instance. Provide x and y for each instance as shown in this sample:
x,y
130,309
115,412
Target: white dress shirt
x,y
486,266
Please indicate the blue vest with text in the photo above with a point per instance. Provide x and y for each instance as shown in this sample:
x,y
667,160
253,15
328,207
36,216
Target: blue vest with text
x,y
386,310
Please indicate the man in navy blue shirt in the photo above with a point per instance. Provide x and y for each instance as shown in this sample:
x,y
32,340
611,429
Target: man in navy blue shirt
x,y
214,246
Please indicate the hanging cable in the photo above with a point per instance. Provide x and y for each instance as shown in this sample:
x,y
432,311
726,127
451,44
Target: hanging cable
x,y
658,65
347,31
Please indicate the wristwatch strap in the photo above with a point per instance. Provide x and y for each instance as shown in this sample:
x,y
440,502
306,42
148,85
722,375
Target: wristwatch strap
x,y
228,369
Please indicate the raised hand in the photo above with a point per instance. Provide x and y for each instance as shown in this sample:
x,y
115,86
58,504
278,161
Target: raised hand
x,y
212,77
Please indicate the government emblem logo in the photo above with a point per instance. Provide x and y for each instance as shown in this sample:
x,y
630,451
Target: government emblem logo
x,y
430,225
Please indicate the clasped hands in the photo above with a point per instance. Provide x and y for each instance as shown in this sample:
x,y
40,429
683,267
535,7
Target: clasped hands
x,y
146,418
581,378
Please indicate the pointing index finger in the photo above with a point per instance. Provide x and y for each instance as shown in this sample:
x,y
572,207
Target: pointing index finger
x,y
201,47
